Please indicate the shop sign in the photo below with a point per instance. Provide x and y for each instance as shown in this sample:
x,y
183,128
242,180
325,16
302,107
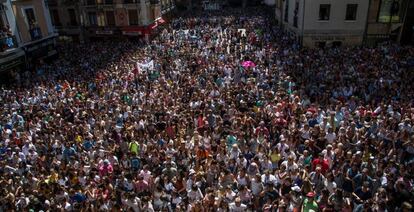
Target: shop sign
x,y
132,33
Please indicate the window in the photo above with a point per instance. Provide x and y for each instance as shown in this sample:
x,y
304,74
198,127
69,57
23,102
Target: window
x,y
92,18
30,17
72,17
34,30
55,17
389,11
110,18
130,1
101,18
287,11
109,1
351,12
133,17
324,12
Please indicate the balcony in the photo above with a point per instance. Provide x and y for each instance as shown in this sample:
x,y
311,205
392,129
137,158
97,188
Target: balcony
x,y
35,33
8,43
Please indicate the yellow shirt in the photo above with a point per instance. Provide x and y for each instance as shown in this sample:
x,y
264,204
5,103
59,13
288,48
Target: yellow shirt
x,y
275,157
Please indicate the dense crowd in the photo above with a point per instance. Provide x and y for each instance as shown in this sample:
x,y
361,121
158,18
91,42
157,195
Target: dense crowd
x,y
298,129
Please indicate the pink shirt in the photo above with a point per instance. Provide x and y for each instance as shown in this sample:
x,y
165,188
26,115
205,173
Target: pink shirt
x,y
105,169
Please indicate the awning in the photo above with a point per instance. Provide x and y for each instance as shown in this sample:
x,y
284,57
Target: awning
x,y
141,30
134,30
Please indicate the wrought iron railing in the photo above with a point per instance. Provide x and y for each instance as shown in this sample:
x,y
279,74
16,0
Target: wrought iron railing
x,y
35,33
8,42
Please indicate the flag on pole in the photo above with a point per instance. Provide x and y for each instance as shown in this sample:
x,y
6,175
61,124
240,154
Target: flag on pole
x,y
144,66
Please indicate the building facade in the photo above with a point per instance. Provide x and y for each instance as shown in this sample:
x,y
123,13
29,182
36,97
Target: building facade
x,y
12,56
386,20
318,23
66,18
27,37
407,35
87,19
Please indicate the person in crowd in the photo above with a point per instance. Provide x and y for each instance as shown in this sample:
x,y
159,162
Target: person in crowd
x,y
219,111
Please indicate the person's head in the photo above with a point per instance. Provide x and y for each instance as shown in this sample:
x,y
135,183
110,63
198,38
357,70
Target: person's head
x,y
320,156
237,201
290,159
365,186
310,195
365,172
406,207
339,193
318,169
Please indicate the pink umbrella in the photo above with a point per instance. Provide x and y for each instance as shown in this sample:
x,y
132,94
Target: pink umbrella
x,y
248,64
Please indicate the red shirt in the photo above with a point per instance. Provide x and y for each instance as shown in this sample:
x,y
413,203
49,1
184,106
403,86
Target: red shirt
x,y
262,130
323,163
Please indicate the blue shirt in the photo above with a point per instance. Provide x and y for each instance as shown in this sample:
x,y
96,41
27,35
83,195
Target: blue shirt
x,y
79,197
88,144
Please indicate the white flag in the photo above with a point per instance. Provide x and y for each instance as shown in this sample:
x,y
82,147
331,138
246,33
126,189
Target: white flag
x,y
149,65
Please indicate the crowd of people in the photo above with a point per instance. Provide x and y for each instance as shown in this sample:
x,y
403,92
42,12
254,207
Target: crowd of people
x,y
179,124
6,39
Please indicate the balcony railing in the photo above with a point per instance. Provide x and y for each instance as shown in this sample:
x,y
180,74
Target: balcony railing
x,y
8,42
35,33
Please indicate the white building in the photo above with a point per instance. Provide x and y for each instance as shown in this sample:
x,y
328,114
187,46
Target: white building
x,y
324,22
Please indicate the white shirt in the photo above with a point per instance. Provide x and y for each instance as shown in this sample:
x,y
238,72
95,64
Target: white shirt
x,y
234,208
242,180
270,178
256,187
330,137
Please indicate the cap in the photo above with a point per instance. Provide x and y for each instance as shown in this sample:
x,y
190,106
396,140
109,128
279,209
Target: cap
x,y
296,188
310,194
192,172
